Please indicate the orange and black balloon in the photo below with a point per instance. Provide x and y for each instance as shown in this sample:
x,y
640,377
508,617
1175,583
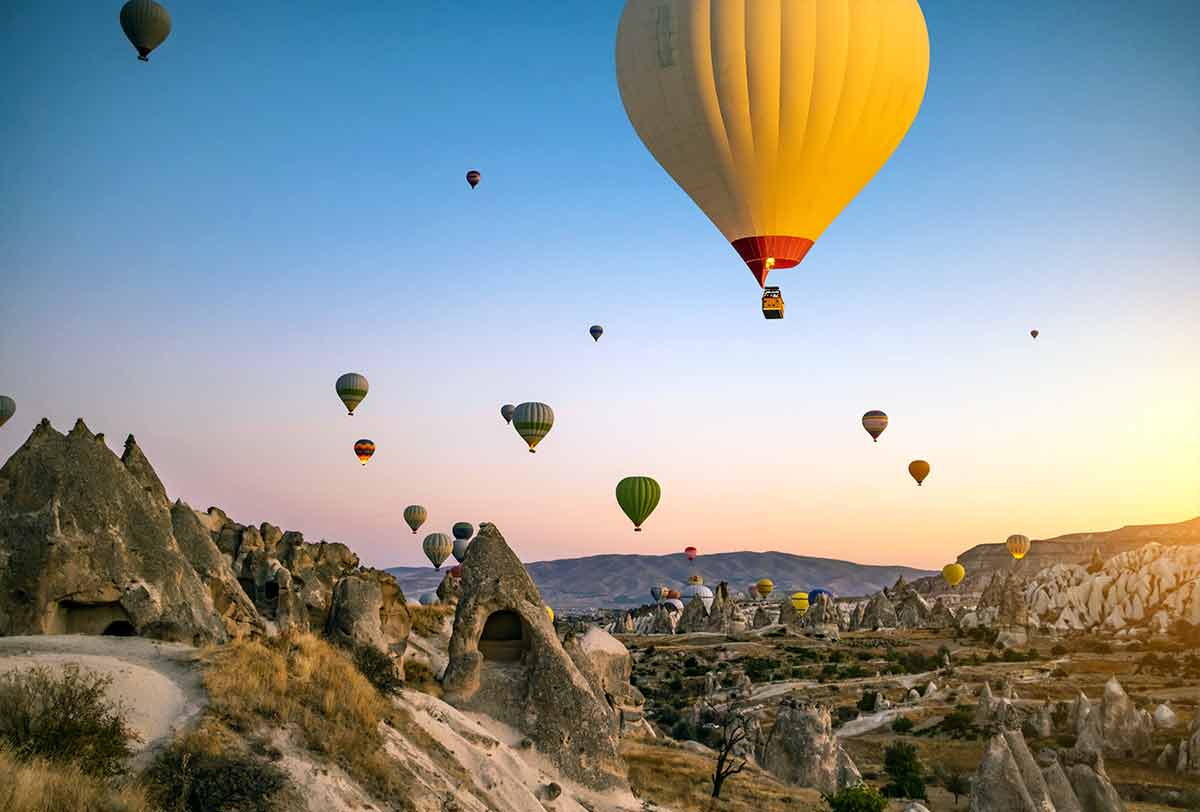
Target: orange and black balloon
x,y
364,450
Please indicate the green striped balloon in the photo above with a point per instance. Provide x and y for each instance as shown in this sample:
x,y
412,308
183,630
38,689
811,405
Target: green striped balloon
x,y
638,496
147,24
437,547
415,516
533,421
8,407
351,388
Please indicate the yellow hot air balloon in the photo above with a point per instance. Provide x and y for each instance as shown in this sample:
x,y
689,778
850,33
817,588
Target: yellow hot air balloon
x,y
695,579
918,470
1018,545
799,602
772,114
764,586
954,573
550,613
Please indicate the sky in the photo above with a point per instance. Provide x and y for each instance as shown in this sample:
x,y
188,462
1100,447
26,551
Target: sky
x,y
192,250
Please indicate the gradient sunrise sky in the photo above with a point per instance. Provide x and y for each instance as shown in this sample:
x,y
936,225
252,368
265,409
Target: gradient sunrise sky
x,y
192,251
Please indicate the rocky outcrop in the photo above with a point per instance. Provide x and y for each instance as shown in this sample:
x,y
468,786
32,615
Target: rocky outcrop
x,y
506,660
902,607
88,545
610,660
823,619
801,749
1184,757
761,619
879,613
1116,727
1009,779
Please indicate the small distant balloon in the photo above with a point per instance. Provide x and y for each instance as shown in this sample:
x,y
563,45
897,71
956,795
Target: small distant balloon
x,y
764,586
437,547
690,552
799,601
428,598
8,407
147,24
364,450
463,530
637,497
415,516
674,602
456,571
672,593
460,549
1018,546
1033,333
918,470
657,592
351,388
506,411
473,178
596,330
954,573
533,422
695,579
875,422
813,594
550,613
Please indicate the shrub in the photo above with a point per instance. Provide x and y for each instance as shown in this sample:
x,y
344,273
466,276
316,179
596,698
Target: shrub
x,y
859,798
683,730
843,714
867,701
958,723
957,785
183,779
428,621
36,785
902,724
378,668
64,717
902,765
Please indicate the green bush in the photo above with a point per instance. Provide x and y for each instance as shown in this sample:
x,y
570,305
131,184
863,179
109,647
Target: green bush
x,y
181,780
64,717
902,724
859,798
902,765
867,701
378,668
683,730
957,785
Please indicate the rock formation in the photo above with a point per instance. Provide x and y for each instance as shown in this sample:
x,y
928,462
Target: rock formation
x,y
801,749
694,617
506,660
610,660
902,607
1009,779
1116,727
823,619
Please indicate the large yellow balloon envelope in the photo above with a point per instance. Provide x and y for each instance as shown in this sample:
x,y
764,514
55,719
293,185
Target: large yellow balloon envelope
x,y
764,586
1018,546
918,470
800,602
772,114
954,573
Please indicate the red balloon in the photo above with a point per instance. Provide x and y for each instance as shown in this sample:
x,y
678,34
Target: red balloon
x,y
690,552
671,593
456,572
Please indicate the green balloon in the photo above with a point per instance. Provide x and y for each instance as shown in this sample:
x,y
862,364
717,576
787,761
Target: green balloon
x,y
638,496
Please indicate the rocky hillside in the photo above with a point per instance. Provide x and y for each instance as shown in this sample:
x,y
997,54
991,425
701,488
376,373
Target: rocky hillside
x,y
610,581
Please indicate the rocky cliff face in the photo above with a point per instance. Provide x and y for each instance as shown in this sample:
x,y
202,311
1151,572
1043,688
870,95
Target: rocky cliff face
x,y
1009,779
90,543
801,749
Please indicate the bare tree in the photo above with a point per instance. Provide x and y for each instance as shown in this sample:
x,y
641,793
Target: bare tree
x,y
735,732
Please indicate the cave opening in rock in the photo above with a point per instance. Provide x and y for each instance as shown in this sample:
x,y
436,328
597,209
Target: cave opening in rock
x,y
504,638
120,628
78,617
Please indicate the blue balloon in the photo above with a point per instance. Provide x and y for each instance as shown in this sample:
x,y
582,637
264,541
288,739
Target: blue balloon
x,y
812,595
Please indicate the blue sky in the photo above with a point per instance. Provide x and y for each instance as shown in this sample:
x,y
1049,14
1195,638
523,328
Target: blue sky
x,y
194,249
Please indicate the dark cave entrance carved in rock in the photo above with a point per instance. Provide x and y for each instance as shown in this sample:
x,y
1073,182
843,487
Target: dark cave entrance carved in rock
x,y
120,628
77,617
504,638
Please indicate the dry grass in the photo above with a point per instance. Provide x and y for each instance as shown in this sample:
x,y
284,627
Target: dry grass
x,y
682,780
41,786
308,684
419,677
428,621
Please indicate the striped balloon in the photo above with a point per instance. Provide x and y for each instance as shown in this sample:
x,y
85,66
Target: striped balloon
x,y
800,602
764,586
638,496
596,330
460,549
473,178
437,547
918,470
874,422
533,421
147,24
1018,546
8,407
351,388
463,530
506,411
415,516
364,449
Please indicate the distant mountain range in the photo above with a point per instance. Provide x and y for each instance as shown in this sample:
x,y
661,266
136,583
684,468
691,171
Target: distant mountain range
x,y
613,581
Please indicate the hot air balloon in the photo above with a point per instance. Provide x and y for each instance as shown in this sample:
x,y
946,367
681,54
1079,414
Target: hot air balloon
x,y
657,592
799,602
764,586
351,388
473,178
695,579
954,573
549,613
638,497
147,24
773,114
428,598
813,594
364,450
506,411
456,571
415,516
1018,546
699,591
437,547
1033,333
672,593
8,407
463,530
874,422
596,330
674,602
460,549
533,421
690,552
918,470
